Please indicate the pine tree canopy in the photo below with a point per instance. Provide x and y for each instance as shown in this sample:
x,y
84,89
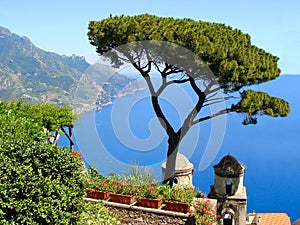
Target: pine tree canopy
x,y
228,52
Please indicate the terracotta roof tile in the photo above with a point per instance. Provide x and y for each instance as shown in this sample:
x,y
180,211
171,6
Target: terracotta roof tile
x,y
274,219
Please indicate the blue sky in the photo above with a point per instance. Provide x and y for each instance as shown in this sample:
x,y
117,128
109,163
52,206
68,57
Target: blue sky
x,y
61,26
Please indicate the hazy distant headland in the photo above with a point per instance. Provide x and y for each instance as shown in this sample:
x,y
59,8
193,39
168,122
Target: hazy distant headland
x,y
33,74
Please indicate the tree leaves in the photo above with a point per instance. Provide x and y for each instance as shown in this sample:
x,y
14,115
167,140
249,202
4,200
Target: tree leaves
x,y
228,52
255,102
46,115
39,183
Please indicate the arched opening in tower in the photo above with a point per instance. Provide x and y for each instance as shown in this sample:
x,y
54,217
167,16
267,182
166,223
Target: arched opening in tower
x,y
228,219
228,188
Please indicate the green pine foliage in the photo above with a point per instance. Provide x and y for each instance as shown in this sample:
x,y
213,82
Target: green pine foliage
x,y
228,52
235,62
256,102
39,183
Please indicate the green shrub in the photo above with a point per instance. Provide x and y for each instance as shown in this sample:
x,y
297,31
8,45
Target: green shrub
x,y
96,214
39,183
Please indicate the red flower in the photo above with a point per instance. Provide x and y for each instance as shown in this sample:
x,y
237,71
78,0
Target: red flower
x,y
77,155
190,211
151,187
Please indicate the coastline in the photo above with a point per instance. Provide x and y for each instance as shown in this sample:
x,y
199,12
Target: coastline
x,y
88,107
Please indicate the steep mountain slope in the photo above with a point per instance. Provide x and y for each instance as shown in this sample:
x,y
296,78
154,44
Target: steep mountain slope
x,y
29,72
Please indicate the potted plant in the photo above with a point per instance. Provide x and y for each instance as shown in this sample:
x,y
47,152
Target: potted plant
x,y
149,196
98,190
179,198
122,192
96,186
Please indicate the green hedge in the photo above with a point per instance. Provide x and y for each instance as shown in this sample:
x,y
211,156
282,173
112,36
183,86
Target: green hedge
x,y
39,183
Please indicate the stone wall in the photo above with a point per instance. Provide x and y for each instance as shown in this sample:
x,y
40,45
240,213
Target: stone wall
x,y
135,215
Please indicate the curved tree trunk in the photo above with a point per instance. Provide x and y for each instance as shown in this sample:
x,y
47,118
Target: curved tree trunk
x,y
175,137
173,147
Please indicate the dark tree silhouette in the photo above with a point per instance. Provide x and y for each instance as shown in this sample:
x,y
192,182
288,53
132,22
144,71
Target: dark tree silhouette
x,y
210,57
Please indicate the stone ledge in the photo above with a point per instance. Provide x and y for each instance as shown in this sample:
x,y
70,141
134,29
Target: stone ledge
x,y
135,207
137,215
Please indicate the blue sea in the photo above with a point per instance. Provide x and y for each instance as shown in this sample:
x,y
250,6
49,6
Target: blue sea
x,y
128,132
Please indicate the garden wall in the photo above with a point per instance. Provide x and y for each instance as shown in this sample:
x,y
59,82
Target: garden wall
x,y
135,215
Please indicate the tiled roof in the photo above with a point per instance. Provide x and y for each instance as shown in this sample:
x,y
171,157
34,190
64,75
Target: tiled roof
x,y
274,219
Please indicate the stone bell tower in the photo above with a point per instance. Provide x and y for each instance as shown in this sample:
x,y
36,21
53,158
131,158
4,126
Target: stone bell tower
x,y
230,192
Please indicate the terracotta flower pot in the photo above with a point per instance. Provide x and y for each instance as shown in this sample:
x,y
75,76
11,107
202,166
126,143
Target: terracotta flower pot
x,y
97,194
177,206
149,203
123,199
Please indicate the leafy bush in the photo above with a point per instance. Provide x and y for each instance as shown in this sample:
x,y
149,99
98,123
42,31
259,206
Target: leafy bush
x,y
94,180
39,183
96,214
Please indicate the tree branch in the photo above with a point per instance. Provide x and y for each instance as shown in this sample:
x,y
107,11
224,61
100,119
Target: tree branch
x,y
212,103
221,112
161,117
154,99
188,122
181,81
